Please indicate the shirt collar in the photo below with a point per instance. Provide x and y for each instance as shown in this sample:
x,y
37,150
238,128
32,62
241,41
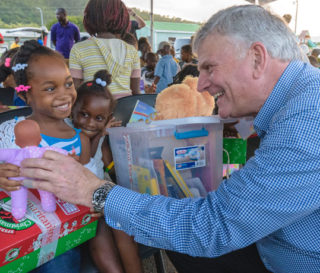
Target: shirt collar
x,y
278,97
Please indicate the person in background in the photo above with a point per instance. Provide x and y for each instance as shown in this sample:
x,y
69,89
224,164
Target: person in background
x,y
106,21
144,47
173,53
315,53
64,33
15,43
136,24
147,72
266,216
130,39
287,18
6,76
313,61
187,56
1,39
166,68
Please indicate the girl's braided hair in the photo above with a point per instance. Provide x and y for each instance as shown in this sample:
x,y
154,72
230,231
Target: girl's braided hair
x,y
27,52
5,70
92,88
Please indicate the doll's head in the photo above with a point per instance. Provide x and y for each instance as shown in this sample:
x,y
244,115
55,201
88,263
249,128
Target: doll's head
x,y
94,104
27,133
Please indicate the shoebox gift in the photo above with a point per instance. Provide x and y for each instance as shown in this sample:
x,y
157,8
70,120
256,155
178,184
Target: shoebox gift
x,y
40,236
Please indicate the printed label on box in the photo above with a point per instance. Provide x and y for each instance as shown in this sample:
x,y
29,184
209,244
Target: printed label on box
x,y
189,157
67,208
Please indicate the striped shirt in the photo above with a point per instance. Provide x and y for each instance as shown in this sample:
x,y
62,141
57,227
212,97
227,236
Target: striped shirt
x,y
273,200
119,58
70,144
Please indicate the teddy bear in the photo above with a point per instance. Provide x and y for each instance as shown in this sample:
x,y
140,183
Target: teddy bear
x,y
183,100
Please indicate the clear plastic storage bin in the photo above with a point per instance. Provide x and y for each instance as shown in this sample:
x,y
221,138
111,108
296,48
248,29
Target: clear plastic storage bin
x,y
178,157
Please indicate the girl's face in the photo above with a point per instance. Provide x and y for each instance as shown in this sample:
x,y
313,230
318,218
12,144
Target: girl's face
x,y
52,92
91,115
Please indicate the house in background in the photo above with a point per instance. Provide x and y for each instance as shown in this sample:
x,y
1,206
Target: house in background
x,y
167,31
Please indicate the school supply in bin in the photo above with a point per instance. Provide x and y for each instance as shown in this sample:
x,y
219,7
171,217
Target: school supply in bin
x,y
183,156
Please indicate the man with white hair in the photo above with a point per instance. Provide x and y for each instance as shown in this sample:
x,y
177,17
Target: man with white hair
x,y
266,216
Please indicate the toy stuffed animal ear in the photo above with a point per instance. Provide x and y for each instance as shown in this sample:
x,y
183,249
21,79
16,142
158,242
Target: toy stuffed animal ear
x,y
27,133
205,102
176,101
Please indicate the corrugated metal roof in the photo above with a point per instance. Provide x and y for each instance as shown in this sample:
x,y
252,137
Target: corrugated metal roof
x,y
172,26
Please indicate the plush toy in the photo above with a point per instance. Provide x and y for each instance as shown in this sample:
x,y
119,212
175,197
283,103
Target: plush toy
x,y
27,133
183,100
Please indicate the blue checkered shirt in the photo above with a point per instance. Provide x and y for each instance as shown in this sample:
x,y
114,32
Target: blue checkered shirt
x,y
273,200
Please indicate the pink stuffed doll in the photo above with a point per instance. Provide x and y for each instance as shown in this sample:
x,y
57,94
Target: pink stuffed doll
x,y
27,133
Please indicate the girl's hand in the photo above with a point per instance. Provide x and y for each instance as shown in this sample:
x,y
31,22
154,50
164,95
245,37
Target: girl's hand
x,y
112,123
9,170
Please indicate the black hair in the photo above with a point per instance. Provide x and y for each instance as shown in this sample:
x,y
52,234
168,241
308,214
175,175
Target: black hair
x,y
92,88
187,49
151,55
130,39
190,69
28,52
61,10
5,70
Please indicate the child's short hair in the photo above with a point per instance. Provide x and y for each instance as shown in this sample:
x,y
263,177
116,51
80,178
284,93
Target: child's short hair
x,y
188,70
97,87
106,16
187,49
130,39
151,55
26,53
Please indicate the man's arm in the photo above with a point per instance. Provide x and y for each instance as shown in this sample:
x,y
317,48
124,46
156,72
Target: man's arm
x,y
137,18
53,35
76,34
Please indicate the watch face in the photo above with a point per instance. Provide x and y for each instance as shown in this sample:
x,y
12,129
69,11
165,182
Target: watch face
x,y
100,195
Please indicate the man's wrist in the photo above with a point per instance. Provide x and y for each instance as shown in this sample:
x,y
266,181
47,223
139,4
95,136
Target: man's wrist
x,y
100,194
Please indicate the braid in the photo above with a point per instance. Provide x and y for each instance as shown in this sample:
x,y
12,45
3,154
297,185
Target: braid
x,y
5,70
26,53
92,88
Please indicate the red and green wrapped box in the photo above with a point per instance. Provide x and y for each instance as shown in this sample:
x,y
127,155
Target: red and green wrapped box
x,y
39,237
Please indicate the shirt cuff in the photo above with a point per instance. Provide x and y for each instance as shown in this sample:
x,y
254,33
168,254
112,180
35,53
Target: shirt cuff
x,y
119,208
76,73
136,73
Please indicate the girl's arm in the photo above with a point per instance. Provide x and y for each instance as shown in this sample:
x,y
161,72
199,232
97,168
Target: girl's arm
x,y
85,149
135,85
106,152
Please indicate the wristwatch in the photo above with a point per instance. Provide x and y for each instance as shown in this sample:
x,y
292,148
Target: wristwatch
x,y
99,196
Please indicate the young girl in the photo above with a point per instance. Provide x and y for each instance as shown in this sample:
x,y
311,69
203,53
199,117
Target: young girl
x,y
91,113
43,80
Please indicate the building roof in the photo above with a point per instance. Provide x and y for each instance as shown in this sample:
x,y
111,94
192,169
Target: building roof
x,y
172,26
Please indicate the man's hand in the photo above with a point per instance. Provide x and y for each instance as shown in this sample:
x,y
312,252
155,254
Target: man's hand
x,y
9,170
63,176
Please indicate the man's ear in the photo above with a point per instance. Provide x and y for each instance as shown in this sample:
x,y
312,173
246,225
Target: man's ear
x,y
259,55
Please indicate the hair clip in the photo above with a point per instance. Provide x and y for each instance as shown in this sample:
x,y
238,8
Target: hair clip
x,y
7,62
22,88
19,67
101,82
89,84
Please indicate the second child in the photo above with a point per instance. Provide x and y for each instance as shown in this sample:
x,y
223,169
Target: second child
x,y
111,250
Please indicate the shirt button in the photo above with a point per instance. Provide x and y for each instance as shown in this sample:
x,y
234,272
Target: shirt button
x,y
118,225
